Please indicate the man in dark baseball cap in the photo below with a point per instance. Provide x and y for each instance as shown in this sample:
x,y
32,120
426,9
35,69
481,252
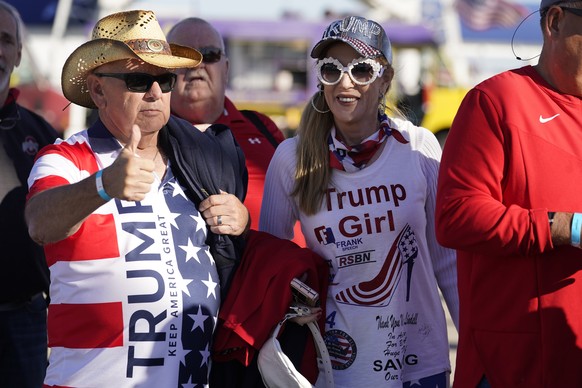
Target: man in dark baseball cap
x,y
508,199
365,36
546,3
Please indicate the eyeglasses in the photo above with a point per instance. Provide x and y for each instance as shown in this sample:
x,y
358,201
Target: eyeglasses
x,y
363,71
9,122
575,11
142,82
210,54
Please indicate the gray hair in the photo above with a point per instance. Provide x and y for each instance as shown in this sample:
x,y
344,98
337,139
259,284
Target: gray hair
x,y
195,21
19,24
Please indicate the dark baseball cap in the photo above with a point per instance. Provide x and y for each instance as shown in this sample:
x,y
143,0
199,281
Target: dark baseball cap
x,y
547,3
366,37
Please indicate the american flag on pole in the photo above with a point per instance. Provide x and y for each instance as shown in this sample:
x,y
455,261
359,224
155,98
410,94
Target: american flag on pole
x,y
482,15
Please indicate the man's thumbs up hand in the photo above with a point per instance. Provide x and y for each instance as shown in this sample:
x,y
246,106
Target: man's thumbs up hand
x,y
130,176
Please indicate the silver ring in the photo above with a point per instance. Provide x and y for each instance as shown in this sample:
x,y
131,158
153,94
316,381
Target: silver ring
x,y
219,220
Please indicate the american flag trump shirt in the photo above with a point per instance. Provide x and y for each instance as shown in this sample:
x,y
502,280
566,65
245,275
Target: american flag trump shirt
x,y
135,292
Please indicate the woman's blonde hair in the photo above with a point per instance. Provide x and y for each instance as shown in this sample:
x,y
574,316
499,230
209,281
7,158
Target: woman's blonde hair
x,y
313,173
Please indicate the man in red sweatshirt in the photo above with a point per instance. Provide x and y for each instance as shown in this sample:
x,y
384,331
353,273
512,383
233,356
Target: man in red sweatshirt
x,y
509,201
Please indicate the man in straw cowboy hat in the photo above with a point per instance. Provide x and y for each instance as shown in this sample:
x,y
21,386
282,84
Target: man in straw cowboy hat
x,y
134,214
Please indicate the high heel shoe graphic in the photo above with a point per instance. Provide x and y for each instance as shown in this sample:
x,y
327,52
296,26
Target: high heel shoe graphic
x,y
378,292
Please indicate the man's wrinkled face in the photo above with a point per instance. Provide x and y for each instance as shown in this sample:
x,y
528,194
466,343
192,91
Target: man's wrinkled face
x,y
10,48
120,105
205,85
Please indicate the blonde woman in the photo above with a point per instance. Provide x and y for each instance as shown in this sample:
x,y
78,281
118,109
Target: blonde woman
x,y
363,187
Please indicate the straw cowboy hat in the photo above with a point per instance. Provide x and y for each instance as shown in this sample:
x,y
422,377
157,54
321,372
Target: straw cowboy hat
x,y
123,35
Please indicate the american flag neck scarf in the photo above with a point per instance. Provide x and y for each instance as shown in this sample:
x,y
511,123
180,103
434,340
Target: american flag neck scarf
x,y
354,158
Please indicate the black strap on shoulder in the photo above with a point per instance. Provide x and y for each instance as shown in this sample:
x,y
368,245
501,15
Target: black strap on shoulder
x,y
252,117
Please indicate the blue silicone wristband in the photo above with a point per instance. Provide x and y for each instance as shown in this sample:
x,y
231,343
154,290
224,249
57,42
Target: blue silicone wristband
x,y
100,189
576,228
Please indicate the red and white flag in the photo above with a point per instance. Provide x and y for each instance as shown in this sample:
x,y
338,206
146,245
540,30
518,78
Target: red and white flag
x,y
482,15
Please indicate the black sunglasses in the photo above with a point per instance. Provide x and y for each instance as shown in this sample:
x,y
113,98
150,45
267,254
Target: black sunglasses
x,y
142,82
575,11
210,54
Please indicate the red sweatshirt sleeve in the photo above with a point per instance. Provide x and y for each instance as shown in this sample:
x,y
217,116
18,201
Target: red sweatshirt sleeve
x,y
474,213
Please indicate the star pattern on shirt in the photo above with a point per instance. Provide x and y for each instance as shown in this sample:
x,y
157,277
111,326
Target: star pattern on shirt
x,y
185,285
177,190
183,355
205,356
190,384
163,243
211,284
173,220
407,245
199,318
191,251
200,222
198,284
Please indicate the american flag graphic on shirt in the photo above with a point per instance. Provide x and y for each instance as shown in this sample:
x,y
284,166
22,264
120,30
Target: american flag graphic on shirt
x,y
378,292
134,293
